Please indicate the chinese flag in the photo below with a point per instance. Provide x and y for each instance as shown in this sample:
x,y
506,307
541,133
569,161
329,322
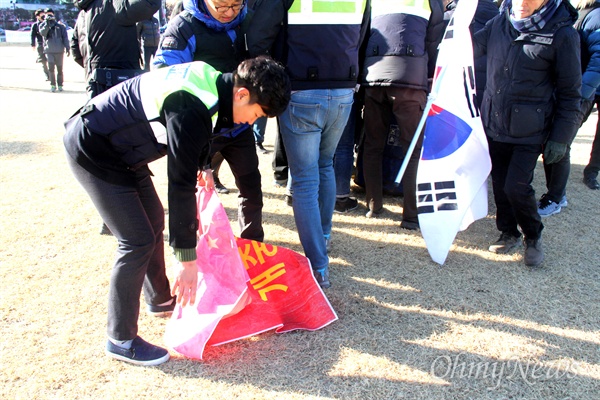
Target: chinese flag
x,y
244,288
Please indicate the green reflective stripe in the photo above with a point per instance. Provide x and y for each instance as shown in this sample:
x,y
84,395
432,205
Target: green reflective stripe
x,y
296,7
198,79
340,6
326,12
327,6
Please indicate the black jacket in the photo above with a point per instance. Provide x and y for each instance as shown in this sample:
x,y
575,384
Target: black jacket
x,y
321,47
105,34
486,10
533,87
149,32
36,36
402,44
265,30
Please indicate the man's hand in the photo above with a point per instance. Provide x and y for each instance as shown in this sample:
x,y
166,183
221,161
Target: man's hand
x,y
186,283
554,151
206,179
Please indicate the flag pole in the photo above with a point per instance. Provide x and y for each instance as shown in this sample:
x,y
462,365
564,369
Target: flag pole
x,y
430,99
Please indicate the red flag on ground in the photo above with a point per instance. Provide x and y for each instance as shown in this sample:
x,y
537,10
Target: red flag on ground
x,y
244,288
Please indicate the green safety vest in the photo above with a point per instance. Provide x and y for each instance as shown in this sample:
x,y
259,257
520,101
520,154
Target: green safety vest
x,y
196,78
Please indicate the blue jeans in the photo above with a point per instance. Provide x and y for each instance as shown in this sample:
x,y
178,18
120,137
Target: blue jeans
x,y
344,157
258,128
311,128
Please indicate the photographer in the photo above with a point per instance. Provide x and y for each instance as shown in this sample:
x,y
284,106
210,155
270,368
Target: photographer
x,y
56,43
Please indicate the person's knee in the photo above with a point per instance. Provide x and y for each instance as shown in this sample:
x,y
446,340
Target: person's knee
x,y
517,192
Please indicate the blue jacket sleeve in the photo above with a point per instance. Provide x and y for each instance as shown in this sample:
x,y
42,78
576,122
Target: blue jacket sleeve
x,y
591,75
177,44
568,87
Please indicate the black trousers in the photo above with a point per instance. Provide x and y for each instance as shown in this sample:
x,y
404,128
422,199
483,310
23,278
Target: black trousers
x,y
240,154
557,176
43,60
136,217
593,167
407,106
55,61
280,162
512,173
148,54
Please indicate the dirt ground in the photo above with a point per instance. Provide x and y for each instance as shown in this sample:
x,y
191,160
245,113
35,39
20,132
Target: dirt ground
x,y
483,326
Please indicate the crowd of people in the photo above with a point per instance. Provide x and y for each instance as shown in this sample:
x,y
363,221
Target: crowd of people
x,y
200,92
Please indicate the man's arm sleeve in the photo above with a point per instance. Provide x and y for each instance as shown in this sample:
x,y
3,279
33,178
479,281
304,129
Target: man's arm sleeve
x,y
188,126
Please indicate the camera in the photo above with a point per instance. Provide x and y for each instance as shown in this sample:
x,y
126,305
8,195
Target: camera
x,y
50,17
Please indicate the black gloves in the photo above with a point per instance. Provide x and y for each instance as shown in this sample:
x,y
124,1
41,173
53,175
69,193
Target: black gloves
x,y
554,151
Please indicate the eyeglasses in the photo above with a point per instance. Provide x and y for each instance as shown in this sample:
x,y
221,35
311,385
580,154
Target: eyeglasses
x,y
222,9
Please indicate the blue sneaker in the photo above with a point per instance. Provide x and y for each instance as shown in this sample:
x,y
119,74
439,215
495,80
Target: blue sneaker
x,y
547,207
563,202
140,353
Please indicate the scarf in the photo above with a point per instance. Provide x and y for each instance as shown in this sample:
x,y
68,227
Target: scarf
x,y
199,10
536,21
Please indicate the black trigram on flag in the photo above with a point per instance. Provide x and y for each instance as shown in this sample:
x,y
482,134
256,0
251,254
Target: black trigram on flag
x,y
442,197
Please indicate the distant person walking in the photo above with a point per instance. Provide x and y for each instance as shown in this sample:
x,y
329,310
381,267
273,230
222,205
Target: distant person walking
x,y
56,43
37,41
149,36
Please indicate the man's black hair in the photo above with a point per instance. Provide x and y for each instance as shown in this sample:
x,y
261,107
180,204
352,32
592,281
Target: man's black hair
x,y
267,82
38,12
49,10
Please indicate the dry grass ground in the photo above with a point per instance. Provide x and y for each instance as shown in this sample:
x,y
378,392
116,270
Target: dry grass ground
x,y
482,326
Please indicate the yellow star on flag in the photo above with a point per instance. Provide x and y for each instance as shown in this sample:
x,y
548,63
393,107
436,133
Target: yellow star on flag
x,y
212,243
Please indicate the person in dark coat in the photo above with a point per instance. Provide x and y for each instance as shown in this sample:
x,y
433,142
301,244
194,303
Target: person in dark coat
x,y
105,37
219,33
557,174
56,43
149,35
105,41
37,41
588,26
399,61
531,105
321,50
